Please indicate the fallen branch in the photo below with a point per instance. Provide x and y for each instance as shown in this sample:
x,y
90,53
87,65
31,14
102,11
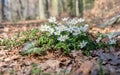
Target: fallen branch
x,y
111,21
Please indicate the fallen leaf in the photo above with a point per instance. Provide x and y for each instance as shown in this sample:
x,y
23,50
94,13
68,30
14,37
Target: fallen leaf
x,y
12,58
52,63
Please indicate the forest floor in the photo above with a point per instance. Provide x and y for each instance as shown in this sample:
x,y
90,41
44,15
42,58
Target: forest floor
x,y
100,62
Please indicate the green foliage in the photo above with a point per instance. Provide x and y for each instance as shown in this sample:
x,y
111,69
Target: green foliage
x,y
66,38
13,72
19,39
101,70
35,70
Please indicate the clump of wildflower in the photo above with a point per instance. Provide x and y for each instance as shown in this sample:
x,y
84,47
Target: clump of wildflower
x,y
72,34
83,44
63,37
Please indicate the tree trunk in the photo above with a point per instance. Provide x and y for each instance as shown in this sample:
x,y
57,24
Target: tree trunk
x,y
36,9
54,11
41,10
2,9
14,13
21,9
46,8
81,9
77,8
61,7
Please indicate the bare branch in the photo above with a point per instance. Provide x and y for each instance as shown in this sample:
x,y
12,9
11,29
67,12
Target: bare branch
x,y
111,21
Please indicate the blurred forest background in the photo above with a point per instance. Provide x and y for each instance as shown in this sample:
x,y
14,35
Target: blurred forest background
x,y
95,10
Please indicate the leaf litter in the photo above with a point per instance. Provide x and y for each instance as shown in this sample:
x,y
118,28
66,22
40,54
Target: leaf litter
x,y
13,63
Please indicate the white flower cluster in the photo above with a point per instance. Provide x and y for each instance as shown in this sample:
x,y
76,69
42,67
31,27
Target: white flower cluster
x,y
69,27
111,37
83,44
77,29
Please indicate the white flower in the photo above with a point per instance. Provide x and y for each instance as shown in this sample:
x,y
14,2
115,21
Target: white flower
x,y
98,39
76,31
61,28
59,24
111,35
63,38
65,19
57,32
72,22
75,28
81,20
69,29
44,28
112,41
84,28
51,30
1,40
52,20
83,44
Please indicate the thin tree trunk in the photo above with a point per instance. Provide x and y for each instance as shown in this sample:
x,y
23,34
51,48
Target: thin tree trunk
x,y
14,16
2,9
46,8
77,8
28,8
81,7
21,10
